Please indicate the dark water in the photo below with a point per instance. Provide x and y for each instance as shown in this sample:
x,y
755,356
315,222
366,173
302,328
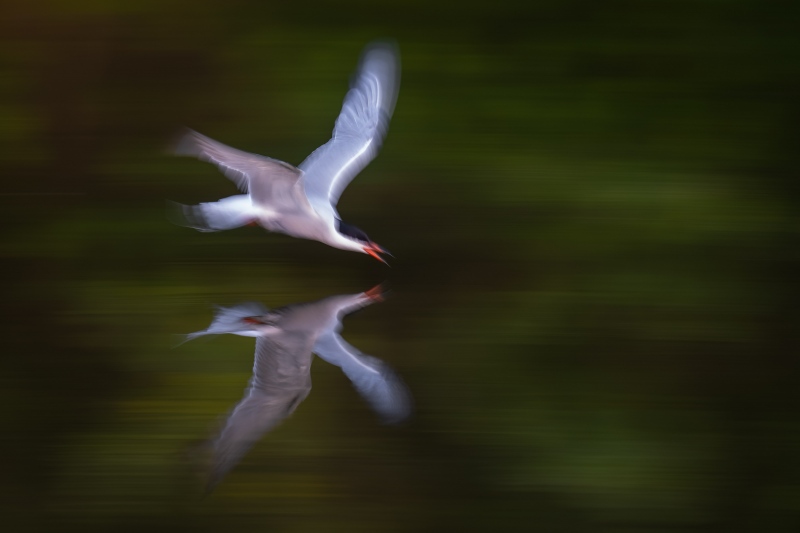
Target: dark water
x,y
593,209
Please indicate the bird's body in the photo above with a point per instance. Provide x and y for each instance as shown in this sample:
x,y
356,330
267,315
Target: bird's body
x,y
287,338
301,201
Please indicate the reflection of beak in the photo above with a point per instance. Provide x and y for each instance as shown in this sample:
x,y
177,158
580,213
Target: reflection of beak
x,y
376,293
373,250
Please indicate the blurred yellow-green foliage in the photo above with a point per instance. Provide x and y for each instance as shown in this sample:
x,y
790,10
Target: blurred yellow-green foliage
x,y
593,206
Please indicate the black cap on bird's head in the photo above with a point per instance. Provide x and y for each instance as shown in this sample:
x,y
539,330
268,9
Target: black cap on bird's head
x,y
369,247
353,232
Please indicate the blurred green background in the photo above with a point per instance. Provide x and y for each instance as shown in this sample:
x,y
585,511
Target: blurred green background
x,y
593,207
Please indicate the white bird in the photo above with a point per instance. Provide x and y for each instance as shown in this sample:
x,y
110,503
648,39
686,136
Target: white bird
x,y
301,201
287,338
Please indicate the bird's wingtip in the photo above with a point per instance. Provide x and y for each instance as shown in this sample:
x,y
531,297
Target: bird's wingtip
x,y
382,44
401,413
183,142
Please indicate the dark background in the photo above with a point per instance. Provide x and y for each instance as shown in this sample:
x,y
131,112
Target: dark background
x,y
593,208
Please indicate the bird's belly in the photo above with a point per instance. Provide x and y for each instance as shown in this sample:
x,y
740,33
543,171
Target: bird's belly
x,y
296,225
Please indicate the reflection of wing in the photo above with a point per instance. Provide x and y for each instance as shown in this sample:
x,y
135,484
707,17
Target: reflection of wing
x,y
372,378
281,381
359,131
268,180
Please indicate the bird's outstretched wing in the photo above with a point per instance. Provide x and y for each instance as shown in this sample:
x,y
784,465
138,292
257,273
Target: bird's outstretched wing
x,y
359,130
253,173
281,381
377,383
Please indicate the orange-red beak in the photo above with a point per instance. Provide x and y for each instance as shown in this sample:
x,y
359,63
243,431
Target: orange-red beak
x,y
373,250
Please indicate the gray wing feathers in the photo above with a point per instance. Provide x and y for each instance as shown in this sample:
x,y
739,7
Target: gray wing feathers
x,y
374,380
360,127
282,361
243,168
281,381
254,416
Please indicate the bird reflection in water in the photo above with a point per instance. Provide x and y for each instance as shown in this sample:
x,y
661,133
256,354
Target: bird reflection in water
x,y
286,339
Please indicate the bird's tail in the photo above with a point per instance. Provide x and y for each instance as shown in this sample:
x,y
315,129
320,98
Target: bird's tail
x,y
238,320
228,213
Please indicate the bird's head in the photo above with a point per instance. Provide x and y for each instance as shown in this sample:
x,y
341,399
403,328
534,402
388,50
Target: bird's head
x,y
361,241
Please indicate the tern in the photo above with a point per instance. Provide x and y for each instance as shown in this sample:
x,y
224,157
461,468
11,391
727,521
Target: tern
x,y
301,201
287,338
